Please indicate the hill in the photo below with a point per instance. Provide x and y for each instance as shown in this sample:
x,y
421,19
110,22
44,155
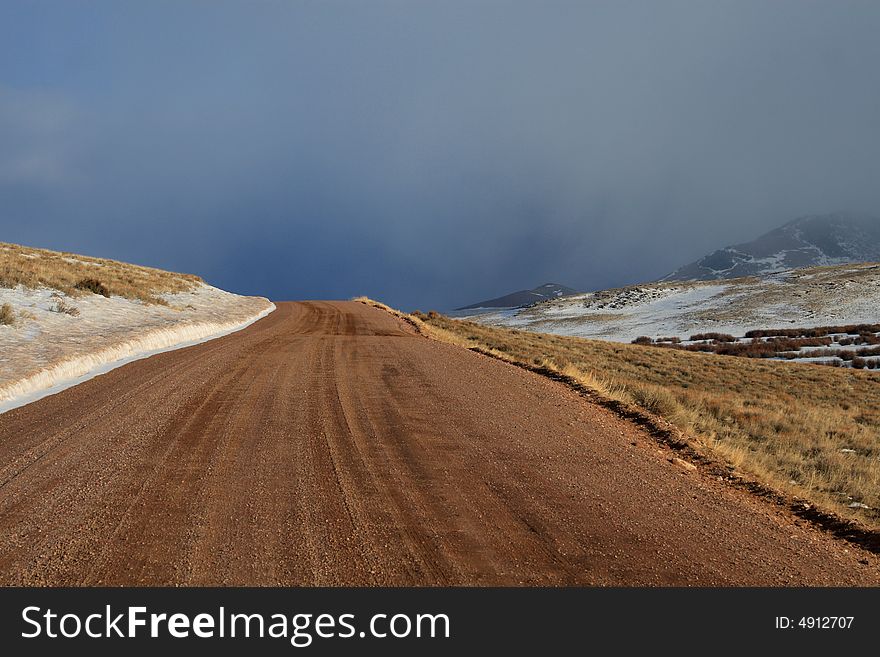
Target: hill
x,y
818,296
524,297
65,317
816,240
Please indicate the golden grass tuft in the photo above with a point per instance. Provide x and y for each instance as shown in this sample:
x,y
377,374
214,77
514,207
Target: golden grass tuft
x,y
60,305
76,275
7,315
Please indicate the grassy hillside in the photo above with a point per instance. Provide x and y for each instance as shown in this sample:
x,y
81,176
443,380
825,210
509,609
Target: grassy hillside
x,y
808,431
77,274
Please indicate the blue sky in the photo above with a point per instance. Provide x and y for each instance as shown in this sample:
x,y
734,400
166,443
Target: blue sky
x,y
430,153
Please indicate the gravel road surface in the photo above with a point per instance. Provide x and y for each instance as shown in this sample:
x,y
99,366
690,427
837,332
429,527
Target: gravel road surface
x,y
328,444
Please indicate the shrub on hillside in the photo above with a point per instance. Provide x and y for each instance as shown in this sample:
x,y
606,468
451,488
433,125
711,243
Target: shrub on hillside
x,y
93,285
61,306
817,332
7,315
717,337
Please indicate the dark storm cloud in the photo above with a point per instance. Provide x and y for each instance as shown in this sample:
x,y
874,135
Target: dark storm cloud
x,y
430,153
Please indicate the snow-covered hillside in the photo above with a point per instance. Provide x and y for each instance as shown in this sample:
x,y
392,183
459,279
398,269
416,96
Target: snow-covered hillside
x,y
817,240
818,296
52,339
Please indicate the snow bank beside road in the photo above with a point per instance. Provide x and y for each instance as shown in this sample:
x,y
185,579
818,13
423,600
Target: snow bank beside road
x,y
45,350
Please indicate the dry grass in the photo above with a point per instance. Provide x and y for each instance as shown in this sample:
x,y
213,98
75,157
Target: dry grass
x,y
60,305
809,432
7,315
75,275
416,320
378,304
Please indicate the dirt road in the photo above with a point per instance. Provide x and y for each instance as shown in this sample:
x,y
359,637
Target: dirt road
x,y
328,444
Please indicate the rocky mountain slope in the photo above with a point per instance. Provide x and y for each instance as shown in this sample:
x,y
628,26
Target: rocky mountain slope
x,y
811,241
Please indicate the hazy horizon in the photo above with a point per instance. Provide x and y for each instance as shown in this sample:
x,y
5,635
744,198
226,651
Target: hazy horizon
x,y
430,154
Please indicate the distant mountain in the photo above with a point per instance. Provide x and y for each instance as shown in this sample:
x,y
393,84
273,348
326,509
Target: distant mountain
x,y
524,297
817,240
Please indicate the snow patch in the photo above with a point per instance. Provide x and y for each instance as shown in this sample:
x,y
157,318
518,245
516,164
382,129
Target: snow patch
x,y
46,352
